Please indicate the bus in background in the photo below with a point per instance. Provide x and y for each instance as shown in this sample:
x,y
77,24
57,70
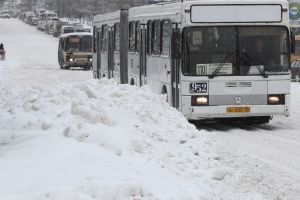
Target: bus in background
x,y
57,27
212,60
47,15
67,29
75,50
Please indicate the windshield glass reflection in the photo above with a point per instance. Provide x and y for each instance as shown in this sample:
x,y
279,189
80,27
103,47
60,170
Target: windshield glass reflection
x,y
235,51
79,44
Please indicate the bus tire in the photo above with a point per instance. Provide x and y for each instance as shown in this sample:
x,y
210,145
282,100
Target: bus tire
x,y
164,91
60,63
66,67
132,82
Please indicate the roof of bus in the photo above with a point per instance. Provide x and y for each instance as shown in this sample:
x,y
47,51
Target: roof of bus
x,y
75,34
168,8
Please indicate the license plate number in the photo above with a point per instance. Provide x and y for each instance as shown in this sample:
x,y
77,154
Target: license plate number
x,y
238,109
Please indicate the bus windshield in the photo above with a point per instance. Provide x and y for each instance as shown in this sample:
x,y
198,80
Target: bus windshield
x,y
236,50
79,44
86,44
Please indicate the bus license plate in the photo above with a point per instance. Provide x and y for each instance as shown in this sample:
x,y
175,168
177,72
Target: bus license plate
x,y
238,109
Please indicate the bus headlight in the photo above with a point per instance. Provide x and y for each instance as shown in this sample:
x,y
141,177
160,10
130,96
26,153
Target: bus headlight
x,y
69,59
276,99
199,100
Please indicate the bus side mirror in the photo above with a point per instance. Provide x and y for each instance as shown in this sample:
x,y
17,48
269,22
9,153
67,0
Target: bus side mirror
x,y
176,44
293,43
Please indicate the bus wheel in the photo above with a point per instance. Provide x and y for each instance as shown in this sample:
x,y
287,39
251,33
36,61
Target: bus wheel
x,y
132,82
60,63
66,67
165,92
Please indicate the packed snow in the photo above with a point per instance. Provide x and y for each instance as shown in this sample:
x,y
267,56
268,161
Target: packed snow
x,y
65,136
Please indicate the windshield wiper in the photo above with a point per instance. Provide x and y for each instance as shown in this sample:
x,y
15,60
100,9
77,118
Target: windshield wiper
x,y
220,66
261,71
251,60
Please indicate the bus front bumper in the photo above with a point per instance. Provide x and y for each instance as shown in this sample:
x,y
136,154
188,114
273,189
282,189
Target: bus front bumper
x,y
80,64
209,112
225,111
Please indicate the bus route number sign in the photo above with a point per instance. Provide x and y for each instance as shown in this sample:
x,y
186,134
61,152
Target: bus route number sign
x,y
198,87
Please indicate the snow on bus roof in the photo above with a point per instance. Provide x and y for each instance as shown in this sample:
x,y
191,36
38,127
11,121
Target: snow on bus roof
x,y
76,34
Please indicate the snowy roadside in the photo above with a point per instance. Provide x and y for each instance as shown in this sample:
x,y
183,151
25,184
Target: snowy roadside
x,y
101,134
101,140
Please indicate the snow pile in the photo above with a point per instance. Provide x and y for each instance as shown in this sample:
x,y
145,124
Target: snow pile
x,y
65,138
99,140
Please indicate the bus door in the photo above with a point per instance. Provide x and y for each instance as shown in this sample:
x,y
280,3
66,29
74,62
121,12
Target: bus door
x,y
143,65
98,61
175,64
104,51
110,55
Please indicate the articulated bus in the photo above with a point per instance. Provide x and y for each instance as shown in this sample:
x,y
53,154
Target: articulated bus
x,y
212,60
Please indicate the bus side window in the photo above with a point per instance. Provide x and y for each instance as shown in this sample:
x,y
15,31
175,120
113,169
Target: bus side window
x,y
166,37
95,39
117,37
156,37
149,37
104,38
137,36
132,35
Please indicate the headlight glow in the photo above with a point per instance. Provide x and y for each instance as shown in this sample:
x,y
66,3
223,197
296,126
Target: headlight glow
x,y
71,59
199,100
273,99
276,99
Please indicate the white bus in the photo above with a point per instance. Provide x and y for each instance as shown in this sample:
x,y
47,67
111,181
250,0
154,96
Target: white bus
x,y
75,50
212,59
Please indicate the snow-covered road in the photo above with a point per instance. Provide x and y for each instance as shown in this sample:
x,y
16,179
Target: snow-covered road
x,y
64,136
267,156
32,57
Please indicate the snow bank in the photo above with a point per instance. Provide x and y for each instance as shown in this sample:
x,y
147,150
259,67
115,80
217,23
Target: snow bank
x,y
99,140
